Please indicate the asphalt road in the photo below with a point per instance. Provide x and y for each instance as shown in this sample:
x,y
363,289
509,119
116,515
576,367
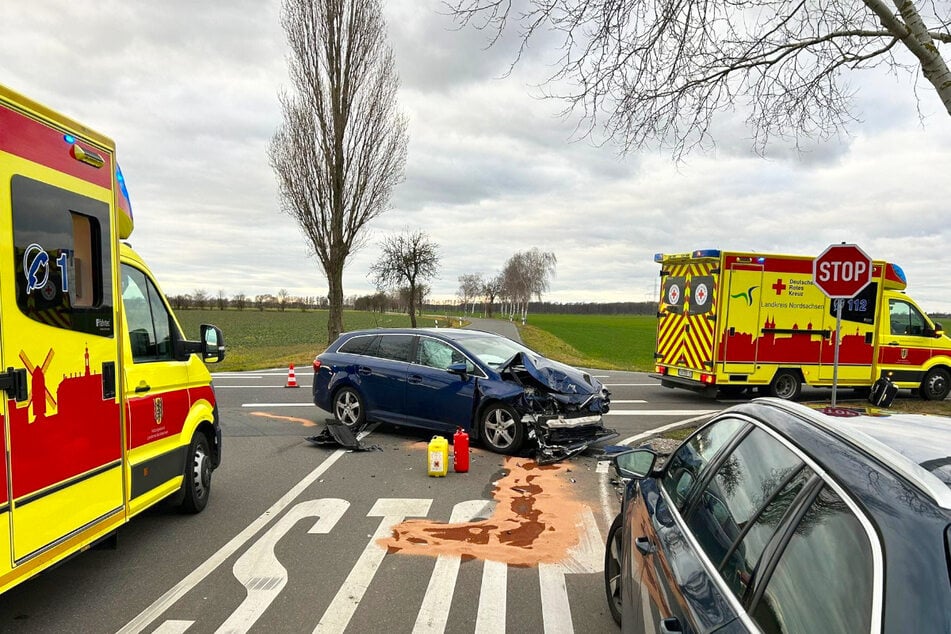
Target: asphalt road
x,y
288,542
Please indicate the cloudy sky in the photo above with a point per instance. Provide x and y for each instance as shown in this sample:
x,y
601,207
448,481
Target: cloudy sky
x,y
189,91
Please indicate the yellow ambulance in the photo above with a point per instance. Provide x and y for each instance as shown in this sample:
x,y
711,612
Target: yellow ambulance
x,y
106,408
732,320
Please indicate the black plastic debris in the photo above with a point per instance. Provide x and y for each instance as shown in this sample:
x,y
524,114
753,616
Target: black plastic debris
x,y
336,434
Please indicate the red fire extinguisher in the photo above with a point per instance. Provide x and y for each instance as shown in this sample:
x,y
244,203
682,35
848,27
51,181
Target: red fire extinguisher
x,y
460,451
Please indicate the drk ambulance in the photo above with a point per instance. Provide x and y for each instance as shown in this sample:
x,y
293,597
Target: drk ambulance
x,y
728,321
106,408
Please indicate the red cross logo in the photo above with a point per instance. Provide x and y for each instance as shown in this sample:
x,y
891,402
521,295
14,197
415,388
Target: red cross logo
x,y
701,295
779,287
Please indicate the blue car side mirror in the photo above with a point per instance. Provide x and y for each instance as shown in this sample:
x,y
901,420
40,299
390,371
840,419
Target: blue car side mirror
x,y
458,368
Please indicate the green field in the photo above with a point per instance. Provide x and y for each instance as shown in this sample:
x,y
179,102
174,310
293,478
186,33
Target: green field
x,y
615,342
270,339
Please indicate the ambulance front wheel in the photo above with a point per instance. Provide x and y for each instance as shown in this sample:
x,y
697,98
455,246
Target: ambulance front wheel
x,y
198,469
936,385
786,385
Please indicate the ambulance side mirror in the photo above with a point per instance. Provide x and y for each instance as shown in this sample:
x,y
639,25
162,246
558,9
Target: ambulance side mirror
x,y
212,344
938,331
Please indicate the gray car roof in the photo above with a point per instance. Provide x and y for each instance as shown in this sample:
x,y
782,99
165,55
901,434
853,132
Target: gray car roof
x,y
916,446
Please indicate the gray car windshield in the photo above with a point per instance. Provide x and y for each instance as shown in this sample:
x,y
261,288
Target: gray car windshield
x,y
494,351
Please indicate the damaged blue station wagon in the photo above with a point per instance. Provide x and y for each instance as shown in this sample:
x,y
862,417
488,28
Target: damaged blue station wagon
x,y
501,392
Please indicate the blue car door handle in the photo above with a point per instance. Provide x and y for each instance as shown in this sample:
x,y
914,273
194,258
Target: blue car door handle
x,y
365,371
414,379
671,626
644,546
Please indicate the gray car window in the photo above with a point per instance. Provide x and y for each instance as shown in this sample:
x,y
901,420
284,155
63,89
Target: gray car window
x,y
395,347
687,464
823,580
356,345
743,503
437,354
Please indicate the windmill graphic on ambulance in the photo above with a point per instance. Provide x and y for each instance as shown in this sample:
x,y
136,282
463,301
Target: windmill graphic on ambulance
x,y
732,321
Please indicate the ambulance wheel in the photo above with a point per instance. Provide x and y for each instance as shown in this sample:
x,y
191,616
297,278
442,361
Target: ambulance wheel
x,y
786,385
197,482
348,407
936,385
501,429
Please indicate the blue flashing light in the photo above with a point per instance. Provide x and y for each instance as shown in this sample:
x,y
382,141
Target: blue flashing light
x,y
760,260
658,257
900,273
707,253
69,138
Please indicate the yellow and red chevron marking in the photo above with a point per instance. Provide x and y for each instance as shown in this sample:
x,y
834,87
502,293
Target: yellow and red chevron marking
x,y
687,340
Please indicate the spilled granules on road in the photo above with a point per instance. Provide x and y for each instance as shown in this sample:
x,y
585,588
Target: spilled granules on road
x,y
535,521
292,419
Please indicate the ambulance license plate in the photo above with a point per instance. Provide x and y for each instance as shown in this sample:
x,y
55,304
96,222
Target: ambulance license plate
x,y
687,374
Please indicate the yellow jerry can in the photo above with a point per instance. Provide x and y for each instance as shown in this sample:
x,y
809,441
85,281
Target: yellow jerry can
x,y
438,456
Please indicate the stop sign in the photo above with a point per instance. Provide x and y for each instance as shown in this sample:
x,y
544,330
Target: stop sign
x,y
842,271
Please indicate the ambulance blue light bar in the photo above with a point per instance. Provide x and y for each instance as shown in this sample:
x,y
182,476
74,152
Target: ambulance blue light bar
x,y
707,253
900,273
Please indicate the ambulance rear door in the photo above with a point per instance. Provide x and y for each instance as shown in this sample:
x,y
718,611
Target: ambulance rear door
x,y
687,316
59,328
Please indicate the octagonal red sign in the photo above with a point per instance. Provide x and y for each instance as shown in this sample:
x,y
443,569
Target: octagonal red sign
x,y
842,271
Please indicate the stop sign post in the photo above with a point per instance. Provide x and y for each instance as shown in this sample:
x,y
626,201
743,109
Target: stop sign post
x,y
841,272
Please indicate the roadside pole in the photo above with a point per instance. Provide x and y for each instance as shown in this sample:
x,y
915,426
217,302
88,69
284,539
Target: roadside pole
x,y
841,272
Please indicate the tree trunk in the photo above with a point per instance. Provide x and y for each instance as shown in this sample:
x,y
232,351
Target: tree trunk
x,y
335,296
412,305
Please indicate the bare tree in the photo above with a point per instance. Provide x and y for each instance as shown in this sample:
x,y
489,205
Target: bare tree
x,y
491,290
222,300
341,148
661,71
470,285
239,301
282,299
406,261
527,274
199,298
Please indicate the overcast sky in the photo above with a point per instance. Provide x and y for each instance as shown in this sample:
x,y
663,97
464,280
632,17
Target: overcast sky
x,y
189,91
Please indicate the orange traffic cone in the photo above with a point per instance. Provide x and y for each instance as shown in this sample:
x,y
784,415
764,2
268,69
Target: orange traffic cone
x,y
291,377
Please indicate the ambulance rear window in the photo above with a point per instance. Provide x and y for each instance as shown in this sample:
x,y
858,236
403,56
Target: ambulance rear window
x,y
62,257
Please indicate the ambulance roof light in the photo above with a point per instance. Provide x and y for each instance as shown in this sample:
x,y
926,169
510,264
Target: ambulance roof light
x,y
69,138
707,253
658,257
760,260
900,273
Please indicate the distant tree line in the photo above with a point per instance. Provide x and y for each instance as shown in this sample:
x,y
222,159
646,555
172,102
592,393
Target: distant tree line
x,y
200,299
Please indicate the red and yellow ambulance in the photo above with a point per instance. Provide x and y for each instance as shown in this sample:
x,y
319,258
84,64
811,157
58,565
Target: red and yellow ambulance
x,y
106,407
732,320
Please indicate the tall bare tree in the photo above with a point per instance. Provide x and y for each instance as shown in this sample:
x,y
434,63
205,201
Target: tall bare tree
x,y
341,148
470,287
660,71
491,290
406,261
527,274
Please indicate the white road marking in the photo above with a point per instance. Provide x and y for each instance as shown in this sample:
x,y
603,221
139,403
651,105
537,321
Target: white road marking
x,y
434,613
278,405
661,412
660,430
631,384
259,570
173,627
614,402
257,387
164,602
492,598
344,604
586,557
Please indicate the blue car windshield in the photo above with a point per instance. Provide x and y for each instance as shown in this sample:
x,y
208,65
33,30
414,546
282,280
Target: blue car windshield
x,y
494,351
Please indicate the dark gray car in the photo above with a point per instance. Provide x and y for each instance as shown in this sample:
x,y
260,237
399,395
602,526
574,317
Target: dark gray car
x,y
775,517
